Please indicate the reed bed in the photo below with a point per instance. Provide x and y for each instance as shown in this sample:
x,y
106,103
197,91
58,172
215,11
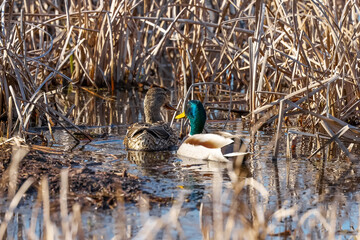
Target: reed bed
x,y
297,59
303,54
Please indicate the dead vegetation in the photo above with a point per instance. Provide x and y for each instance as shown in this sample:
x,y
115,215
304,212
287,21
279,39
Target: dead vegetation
x,y
303,54
279,59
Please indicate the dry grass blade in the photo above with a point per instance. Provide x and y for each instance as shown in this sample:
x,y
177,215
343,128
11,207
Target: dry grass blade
x,y
13,204
320,218
63,204
167,222
49,227
18,153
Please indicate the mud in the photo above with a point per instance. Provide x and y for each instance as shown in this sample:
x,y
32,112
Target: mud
x,y
89,187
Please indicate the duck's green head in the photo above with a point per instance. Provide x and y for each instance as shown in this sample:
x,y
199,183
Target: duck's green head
x,y
195,112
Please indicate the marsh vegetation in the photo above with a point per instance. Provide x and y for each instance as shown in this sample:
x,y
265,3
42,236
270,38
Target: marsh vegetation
x,y
282,74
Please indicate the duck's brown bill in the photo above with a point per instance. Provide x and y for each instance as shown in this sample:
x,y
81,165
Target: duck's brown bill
x,y
181,115
168,106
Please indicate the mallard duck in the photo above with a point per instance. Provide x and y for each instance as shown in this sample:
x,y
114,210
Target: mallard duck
x,y
208,146
154,134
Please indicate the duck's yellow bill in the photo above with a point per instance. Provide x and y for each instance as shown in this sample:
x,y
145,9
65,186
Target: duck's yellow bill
x,y
181,115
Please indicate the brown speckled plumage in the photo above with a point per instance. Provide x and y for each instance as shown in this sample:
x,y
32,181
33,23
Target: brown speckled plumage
x,y
155,134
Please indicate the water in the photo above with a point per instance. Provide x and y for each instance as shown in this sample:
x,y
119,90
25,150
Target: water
x,y
320,194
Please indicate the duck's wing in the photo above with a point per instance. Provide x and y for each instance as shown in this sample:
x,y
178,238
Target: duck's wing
x,y
237,148
163,130
150,137
135,129
229,135
212,147
208,140
237,151
158,130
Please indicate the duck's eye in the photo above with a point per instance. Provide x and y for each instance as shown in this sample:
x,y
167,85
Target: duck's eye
x,y
188,113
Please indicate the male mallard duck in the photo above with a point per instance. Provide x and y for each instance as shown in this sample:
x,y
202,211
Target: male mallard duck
x,y
208,146
154,134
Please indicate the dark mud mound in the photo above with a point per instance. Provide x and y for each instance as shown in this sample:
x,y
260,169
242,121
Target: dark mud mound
x,y
87,186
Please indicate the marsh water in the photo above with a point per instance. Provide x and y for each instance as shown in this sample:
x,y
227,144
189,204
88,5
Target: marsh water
x,y
321,185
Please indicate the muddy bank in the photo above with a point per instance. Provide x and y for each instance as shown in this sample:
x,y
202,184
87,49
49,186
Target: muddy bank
x,y
88,186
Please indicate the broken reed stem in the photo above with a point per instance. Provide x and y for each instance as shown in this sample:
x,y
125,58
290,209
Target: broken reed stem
x,y
9,121
112,58
48,118
254,56
252,72
278,131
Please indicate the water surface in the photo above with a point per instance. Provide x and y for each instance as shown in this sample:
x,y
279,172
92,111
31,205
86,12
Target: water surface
x,y
327,186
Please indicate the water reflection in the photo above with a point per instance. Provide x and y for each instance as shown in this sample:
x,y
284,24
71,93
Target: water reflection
x,y
150,163
203,165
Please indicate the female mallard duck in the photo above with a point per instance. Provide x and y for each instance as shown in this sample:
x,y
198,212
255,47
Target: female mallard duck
x,y
154,134
207,146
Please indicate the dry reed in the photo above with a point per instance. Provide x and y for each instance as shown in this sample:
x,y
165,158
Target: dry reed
x,y
270,50
298,58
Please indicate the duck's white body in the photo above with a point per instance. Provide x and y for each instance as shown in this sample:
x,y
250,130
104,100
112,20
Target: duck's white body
x,y
204,146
